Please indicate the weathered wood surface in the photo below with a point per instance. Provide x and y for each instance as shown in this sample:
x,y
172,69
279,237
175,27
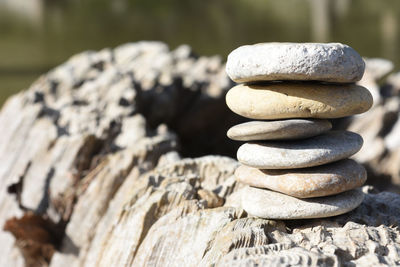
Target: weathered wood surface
x,y
94,173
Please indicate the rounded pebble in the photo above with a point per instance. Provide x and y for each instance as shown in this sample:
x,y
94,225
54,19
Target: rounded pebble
x,y
278,130
325,180
275,101
330,62
273,205
322,149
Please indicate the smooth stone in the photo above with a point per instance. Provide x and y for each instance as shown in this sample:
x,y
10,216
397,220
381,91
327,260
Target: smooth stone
x,y
322,149
278,130
325,180
275,101
273,205
331,62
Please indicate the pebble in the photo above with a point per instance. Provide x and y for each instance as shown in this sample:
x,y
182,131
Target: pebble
x,y
332,62
278,130
275,101
273,205
325,180
322,149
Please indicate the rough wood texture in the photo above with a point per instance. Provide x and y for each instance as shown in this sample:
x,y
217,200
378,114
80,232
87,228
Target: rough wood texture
x,y
91,174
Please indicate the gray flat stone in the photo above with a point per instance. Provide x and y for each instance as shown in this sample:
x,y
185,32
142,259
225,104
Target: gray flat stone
x,y
333,62
322,149
273,205
324,180
278,130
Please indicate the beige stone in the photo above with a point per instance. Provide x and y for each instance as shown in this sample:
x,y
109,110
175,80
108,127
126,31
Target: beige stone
x,y
318,181
273,205
298,100
278,130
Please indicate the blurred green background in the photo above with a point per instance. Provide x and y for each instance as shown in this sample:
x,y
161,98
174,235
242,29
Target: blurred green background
x,y
37,35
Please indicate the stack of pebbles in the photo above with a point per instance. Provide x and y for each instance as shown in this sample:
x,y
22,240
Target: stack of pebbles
x,y
295,166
